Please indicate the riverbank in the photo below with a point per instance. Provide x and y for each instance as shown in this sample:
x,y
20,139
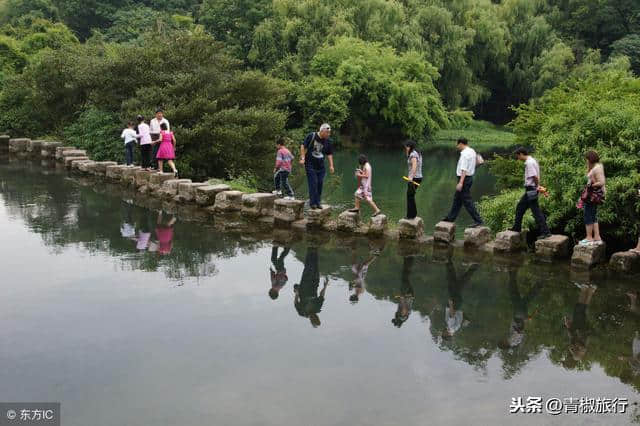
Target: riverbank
x,y
265,210
482,135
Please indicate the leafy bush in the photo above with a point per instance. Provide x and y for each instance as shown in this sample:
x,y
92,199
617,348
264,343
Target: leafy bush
x,y
98,132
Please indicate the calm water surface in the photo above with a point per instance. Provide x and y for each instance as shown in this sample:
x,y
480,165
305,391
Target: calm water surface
x,y
131,317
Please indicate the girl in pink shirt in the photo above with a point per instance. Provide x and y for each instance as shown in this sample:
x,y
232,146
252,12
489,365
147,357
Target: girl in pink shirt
x,y
167,149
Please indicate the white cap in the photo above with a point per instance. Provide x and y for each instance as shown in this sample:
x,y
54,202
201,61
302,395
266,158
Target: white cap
x,y
325,126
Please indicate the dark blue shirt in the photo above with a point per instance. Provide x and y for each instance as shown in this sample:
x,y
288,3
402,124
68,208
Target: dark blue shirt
x,y
316,150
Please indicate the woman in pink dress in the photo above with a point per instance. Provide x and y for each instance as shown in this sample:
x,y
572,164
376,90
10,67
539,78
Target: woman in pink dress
x,y
167,152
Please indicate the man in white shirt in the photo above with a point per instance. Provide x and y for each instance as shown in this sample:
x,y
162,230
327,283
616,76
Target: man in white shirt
x,y
144,134
154,126
464,178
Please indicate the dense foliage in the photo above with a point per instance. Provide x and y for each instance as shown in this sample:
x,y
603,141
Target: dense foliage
x,y
599,110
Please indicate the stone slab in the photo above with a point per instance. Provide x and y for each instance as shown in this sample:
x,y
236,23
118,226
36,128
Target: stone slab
x,y
348,221
169,188
129,175
258,204
288,211
142,178
48,149
588,256
476,237
77,162
444,232
61,149
187,191
625,261
4,143
18,145
509,242
114,172
157,180
410,229
69,160
228,201
86,166
206,195
100,167
74,153
317,217
378,225
554,247
34,147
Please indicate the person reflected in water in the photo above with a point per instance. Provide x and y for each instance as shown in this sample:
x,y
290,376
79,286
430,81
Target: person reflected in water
x,y
279,276
520,310
145,226
453,315
127,227
359,269
578,327
307,301
634,359
164,234
407,296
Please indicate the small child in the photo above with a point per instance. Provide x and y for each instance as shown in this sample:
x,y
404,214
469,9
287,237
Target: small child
x,y
282,170
363,175
130,137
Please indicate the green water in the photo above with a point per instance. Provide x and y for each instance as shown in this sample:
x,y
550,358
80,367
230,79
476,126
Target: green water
x,y
182,330
389,190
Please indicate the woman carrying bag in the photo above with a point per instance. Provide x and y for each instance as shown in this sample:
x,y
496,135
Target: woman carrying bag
x,y
592,195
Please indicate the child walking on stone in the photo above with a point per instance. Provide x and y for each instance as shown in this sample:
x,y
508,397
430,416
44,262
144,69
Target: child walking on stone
x,y
282,170
364,192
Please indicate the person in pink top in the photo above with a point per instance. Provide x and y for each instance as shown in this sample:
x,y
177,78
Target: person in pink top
x,y
364,192
282,170
167,152
164,234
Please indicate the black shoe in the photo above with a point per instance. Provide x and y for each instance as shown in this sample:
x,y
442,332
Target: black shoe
x,y
446,219
315,207
543,236
514,230
477,225
354,210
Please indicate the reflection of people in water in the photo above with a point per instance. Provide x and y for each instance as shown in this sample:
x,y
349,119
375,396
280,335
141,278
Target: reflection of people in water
x,y
520,310
634,360
453,315
578,327
127,227
633,301
279,275
164,234
307,301
144,231
406,297
359,270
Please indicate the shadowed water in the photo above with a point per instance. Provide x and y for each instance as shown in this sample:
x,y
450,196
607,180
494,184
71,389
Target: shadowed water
x,y
129,316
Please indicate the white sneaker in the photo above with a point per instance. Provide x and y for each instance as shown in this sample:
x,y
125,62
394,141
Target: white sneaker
x,y
276,192
288,197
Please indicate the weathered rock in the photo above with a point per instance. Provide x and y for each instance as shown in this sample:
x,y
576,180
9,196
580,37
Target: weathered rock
x,y
299,225
48,149
18,145
35,147
157,180
411,228
100,167
288,211
625,261
169,189
129,175
61,149
348,221
445,232
114,172
69,160
476,237
187,191
228,201
442,253
206,195
86,166
588,256
142,178
317,217
554,247
75,163
258,204
509,242
377,224
74,153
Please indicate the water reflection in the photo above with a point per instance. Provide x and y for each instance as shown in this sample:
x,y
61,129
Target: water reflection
x,y
521,308
406,295
454,316
308,301
278,275
359,268
578,326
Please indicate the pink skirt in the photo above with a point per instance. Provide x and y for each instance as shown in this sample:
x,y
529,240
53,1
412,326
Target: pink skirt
x,y
166,152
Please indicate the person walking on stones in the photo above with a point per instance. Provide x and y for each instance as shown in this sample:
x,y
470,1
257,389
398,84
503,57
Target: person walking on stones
x,y
592,195
414,161
167,152
529,199
129,136
282,170
313,151
144,134
154,127
464,180
364,191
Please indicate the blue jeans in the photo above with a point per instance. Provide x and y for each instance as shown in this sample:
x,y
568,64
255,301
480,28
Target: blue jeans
x,y
128,152
281,182
590,212
315,179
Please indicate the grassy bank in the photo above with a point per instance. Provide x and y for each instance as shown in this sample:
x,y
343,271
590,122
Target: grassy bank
x,y
481,134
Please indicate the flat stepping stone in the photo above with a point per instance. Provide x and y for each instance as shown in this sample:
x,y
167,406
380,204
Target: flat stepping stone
x,y
206,195
444,232
410,229
258,204
588,256
553,247
477,237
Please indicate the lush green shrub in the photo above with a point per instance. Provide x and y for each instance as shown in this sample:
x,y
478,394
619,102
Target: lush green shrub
x,y
99,133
